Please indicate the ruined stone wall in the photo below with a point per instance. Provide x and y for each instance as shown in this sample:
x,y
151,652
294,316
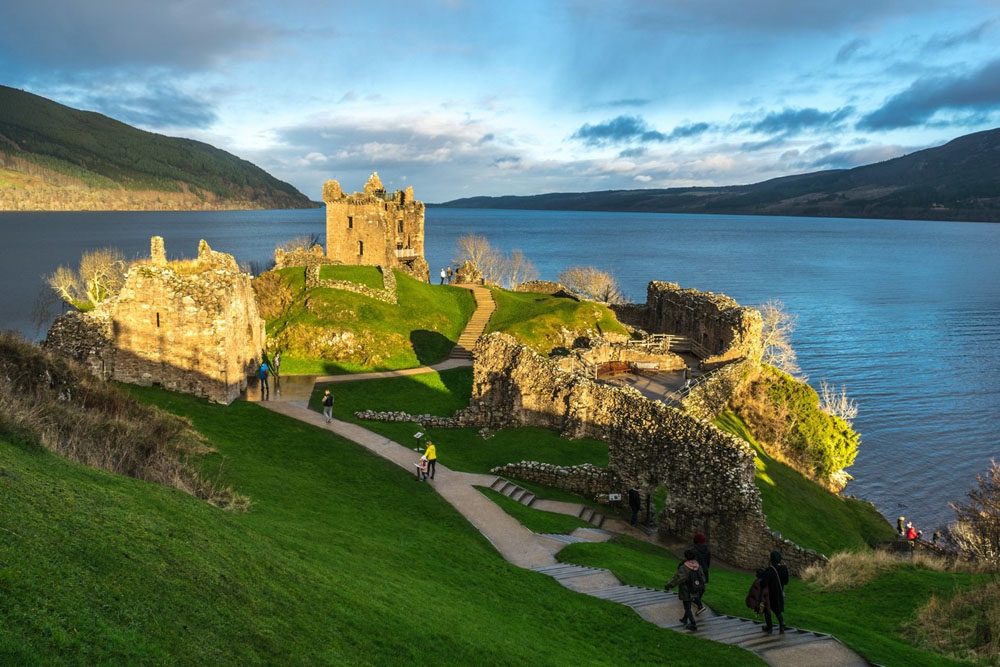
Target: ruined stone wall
x,y
375,228
194,331
388,293
614,350
709,474
546,287
712,393
584,480
312,257
719,329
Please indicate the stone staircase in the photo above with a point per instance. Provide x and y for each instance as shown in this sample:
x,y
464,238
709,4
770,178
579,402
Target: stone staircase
x,y
477,323
525,497
794,647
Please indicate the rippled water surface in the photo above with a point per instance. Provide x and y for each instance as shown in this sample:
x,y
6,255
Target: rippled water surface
x,y
906,314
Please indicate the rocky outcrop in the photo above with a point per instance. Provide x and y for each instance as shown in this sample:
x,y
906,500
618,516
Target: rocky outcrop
x,y
468,274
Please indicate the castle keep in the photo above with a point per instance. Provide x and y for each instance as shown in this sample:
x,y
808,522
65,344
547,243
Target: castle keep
x,y
189,326
374,227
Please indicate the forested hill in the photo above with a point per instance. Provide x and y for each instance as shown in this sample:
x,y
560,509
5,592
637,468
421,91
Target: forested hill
x,y
957,181
53,157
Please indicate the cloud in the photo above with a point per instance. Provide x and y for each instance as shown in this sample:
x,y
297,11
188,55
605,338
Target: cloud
x,y
183,35
947,41
643,178
625,102
624,129
638,151
157,106
506,161
618,130
855,158
794,121
849,50
975,92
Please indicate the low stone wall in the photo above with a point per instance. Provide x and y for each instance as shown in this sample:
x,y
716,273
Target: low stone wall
x,y
712,394
585,480
388,293
461,419
315,256
710,474
614,351
546,287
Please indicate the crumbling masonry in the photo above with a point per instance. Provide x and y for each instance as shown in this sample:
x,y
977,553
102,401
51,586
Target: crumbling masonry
x,y
190,326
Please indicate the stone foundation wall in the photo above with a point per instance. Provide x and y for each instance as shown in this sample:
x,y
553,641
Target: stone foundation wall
x,y
388,293
720,330
312,257
712,394
585,480
546,287
709,474
194,332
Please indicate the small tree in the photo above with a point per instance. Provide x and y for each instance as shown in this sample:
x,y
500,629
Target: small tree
x,y
776,339
478,250
976,531
518,269
303,242
592,284
100,275
837,403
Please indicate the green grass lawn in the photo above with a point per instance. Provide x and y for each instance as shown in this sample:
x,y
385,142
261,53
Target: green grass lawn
x,y
870,619
342,559
421,329
538,319
463,449
537,521
804,512
363,275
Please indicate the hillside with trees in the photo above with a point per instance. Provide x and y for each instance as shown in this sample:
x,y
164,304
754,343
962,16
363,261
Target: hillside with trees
x,y
957,181
53,157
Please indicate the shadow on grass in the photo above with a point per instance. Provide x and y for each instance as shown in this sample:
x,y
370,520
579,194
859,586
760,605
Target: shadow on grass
x,y
430,346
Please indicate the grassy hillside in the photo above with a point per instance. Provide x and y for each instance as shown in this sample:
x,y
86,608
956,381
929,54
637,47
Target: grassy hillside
x,y
343,559
545,322
82,159
957,181
873,620
806,513
328,331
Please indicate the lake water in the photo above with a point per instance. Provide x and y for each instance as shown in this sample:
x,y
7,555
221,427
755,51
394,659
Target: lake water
x,y
905,314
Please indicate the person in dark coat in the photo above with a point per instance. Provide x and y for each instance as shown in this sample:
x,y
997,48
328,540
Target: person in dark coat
x,y
775,578
634,503
682,579
703,555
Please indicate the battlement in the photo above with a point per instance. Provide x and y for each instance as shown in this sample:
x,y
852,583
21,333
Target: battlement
x,y
375,227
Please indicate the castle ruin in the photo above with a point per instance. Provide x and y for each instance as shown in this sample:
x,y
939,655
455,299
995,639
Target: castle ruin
x,y
189,326
376,228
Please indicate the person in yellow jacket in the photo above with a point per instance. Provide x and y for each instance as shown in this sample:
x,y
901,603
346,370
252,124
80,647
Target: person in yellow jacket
x,y
431,455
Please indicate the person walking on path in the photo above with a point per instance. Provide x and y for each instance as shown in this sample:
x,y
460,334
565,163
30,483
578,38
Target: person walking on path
x,y
262,373
328,406
422,469
443,276
690,585
775,579
901,526
634,503
703,555
449,275
432,458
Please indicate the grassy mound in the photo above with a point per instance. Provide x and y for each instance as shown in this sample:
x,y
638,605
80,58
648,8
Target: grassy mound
x,y
804,512
364,275
872,620
328,331
463,449
344,559
784,414
545,322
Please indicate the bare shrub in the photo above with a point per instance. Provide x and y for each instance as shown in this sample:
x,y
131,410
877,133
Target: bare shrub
x,y
481,253
518,269
592,284
51,402
976,531
100,275
303,242
837,403
776,338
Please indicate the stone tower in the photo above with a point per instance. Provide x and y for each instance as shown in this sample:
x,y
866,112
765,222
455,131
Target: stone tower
x,y
375,227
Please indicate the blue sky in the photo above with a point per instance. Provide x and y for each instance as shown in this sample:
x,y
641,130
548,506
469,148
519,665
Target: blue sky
x,y
467,98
